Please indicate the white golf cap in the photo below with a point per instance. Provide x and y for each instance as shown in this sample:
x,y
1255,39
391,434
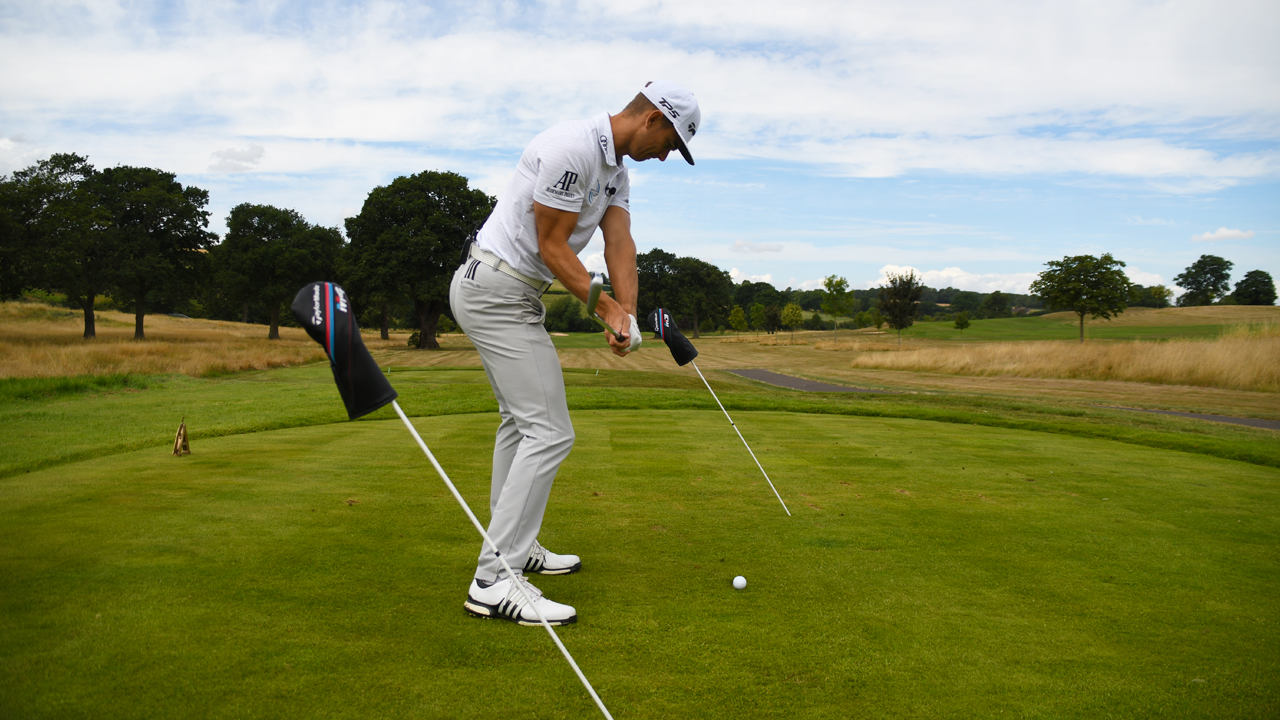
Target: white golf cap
x,y
680,106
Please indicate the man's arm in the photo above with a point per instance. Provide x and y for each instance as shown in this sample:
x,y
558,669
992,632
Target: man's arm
x,y
554,228
620,256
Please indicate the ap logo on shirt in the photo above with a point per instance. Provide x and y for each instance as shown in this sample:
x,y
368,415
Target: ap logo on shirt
x,y
566,180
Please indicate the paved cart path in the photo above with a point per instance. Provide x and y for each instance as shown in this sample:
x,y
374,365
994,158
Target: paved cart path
x,y
795,383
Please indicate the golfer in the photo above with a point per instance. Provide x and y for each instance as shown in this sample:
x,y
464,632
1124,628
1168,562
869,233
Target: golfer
x,y
570,180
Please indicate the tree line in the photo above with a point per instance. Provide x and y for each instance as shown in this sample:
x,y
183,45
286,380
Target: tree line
x,y
139,239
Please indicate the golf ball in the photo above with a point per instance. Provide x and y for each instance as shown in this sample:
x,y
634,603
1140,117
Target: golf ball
x,y
739,583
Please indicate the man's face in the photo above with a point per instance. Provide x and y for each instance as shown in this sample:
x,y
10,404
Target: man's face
x,y
657,140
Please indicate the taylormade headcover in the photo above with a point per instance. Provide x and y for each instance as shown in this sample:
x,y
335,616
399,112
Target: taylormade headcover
x,y
665,326
326,313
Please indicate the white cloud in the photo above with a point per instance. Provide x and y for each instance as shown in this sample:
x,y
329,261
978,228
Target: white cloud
x,y
741,245
959,279
1139,220
233,160
739,276
992,86
1143,278
1223,233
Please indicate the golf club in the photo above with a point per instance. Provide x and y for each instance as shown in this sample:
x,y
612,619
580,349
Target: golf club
x,y
324,311
684,352
593,297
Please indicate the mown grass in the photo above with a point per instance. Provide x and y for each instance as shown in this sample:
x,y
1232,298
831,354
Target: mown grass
x,y
930,570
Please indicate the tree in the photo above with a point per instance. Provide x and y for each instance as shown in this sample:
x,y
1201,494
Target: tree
x,y
704,290
738,319
900,300
157,230
792,316
962,321
757,312
17,248
1257,288
1204,281
69,250
997,305
966,301
1155,296
836,302
1086,285
655,271
274,252
418,226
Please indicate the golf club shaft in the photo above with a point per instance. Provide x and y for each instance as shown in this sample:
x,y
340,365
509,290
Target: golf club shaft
x,y
607,326
744,440
510,573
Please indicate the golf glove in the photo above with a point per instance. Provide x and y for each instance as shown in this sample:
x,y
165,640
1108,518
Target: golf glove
x,y
635,334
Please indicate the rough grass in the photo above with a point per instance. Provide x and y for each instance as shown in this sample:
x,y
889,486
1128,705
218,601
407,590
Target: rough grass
x,y
1244,358
40,341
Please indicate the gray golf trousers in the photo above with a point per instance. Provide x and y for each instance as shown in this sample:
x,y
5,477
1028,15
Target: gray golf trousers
x,y
502,317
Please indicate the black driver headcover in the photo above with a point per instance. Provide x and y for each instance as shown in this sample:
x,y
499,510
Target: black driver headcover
x,y
665,326
326,313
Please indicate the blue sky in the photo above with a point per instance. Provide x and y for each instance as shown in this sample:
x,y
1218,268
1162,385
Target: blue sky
x,y
969,141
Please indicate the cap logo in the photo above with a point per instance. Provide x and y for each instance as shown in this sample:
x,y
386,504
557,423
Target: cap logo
x,y
670,110
693,129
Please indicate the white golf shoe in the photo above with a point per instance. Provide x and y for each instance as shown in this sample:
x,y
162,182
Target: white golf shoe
x,y
544,562
504,600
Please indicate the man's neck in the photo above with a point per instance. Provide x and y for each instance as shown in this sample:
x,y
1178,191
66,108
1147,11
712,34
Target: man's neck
x,y
622,134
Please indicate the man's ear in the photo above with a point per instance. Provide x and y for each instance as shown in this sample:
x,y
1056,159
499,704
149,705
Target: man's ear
x,y
655,117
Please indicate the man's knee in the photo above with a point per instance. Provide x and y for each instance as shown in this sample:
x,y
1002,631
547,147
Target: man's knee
x,y
561,439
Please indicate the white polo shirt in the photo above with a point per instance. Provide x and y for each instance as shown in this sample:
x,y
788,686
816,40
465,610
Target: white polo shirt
x,y
569,167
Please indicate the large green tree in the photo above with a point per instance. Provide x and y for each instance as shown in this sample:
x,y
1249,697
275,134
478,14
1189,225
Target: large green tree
x,y
157,230
1256,288
705,291
1204,281
17,249
1085,285
417,225
837,301
271,253
655,273
68,248
997,305
900,300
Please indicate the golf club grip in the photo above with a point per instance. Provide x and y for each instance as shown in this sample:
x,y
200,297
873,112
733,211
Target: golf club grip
x,y
505,566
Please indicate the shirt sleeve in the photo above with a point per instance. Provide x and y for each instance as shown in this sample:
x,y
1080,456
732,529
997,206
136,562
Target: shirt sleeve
x,y
621,197
562,179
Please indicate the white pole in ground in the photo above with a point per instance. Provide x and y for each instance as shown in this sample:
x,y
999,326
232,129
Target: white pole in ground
x,y
744,440
501,559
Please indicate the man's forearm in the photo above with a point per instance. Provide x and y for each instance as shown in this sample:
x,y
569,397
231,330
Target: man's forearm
x,y
620,258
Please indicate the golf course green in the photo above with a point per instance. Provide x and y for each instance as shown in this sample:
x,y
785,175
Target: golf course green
x,y
298,565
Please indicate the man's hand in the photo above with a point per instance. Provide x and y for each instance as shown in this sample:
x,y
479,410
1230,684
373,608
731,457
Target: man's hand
x,y
619,320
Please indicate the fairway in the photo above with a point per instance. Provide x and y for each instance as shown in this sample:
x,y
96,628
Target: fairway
x,y
930,570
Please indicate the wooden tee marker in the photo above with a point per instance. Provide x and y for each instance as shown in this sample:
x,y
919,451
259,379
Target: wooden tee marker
x,y
180,446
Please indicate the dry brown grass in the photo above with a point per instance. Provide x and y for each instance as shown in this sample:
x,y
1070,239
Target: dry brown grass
x,y
44,341
857,346
1244,358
